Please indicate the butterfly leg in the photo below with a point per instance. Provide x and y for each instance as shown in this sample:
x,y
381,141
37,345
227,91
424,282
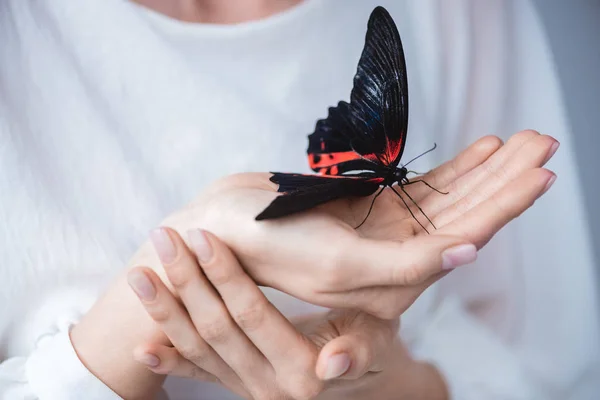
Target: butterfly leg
x,y
427,184
410,211
415,203
370,208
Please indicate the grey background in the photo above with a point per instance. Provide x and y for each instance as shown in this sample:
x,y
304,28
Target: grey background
x,y
573,27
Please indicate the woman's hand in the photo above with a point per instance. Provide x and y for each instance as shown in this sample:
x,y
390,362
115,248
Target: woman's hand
x,y
317,256
227,332
382,267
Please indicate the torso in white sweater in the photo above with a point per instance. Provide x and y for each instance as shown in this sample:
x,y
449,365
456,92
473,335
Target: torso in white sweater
x,y
112,116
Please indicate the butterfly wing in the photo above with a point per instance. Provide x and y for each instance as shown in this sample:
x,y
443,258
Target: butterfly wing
x,y
303,192
371,129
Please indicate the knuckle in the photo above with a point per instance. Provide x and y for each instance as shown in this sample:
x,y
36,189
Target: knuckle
x,y
409,274
529,132
179,275
199,374
215,331
489,141
302,387
302,383
252,316
523,136
158,313
217,273
196,354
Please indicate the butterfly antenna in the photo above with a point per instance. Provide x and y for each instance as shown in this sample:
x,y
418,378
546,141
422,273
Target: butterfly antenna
x,y
422,154
370,208
410,211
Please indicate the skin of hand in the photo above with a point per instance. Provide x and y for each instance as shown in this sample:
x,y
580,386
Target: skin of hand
x,y
317,255
225,331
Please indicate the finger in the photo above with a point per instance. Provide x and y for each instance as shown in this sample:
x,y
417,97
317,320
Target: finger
x,y
164,360
210,317
445,174
362,347
531,155
172,319
291,355
482,222
525,150
365,262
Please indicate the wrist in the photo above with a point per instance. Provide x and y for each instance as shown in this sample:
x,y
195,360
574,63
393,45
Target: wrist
x,y
105,338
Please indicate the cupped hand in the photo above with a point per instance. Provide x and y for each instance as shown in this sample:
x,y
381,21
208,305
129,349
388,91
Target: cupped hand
x,y
224,330
382,267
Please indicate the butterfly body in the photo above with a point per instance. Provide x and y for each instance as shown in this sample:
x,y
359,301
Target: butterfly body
x,y
357,149
397,175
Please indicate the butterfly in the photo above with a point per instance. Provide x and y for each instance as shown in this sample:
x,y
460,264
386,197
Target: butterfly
x,y
356,150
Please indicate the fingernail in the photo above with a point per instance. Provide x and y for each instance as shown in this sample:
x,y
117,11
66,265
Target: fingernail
x,y
141,285
164,245
553,149
549,184
458,255
337,365
149,359
201,245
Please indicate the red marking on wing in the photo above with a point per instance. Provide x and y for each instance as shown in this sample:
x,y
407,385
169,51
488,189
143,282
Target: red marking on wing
x,y
392,149
325,160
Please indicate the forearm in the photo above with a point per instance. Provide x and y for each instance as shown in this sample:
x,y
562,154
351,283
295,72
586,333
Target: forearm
x,y
104,341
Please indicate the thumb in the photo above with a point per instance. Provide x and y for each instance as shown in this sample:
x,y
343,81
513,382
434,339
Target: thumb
x,y
385,262
362,347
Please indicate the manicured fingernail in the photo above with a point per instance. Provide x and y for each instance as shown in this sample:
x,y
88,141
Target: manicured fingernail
x,y
141,285
201,245
337,365
553,149
149,359
458,255
549,184
164,245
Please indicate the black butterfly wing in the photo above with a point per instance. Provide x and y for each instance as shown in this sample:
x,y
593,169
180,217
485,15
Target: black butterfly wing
x,y
303,192
371,129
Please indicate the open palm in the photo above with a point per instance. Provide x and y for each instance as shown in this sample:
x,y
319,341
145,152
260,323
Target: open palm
x,y
384,265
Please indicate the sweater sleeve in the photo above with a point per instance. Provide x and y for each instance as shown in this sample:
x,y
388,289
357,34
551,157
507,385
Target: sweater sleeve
x,y
51,372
